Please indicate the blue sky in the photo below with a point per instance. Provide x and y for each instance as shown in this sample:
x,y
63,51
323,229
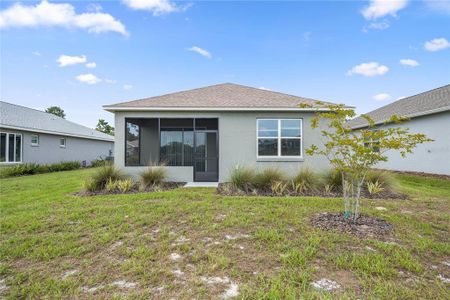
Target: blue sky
x,y
362,53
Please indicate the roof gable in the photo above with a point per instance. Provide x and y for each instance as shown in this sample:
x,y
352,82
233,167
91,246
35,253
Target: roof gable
x,y
225,96
29,119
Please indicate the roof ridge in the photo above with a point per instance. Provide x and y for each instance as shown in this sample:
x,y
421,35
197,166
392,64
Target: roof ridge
x,y
171,93
41,111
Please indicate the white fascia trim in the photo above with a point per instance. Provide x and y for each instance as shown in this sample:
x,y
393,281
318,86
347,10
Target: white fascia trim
x,y
223,109
55,133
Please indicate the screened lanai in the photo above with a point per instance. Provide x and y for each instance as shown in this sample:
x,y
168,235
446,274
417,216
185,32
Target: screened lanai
x,y
174,142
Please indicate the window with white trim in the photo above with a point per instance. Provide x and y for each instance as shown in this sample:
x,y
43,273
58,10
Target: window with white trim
x,y
62,142
34,140
10,147
279,138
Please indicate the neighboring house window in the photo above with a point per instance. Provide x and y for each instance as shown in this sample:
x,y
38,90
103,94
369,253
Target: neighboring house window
x,y
372,143
34,140
62,142
10,147
279,137
133,143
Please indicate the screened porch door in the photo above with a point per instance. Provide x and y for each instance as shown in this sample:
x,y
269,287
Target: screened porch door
x,y
206,158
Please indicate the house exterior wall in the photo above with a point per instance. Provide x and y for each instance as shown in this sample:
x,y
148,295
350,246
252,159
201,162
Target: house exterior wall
x,y
49,151
433,157
237,142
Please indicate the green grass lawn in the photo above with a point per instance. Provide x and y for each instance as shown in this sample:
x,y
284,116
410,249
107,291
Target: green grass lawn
x,y
193,243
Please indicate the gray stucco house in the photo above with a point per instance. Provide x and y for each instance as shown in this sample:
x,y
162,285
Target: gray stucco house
x,y
33,136
428,113
202,134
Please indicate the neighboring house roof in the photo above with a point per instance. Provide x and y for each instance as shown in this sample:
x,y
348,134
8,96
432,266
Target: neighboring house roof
x,y
221,97
18,117
426,103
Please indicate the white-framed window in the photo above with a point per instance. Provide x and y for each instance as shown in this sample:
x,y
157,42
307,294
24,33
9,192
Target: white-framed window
x,y
62,142
10,147
34,140
279,138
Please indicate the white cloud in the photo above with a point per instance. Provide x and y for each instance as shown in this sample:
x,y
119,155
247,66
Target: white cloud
x,y
157,7
127,86
379,25
91,65
437,44
58,14
200,51
438,6
381,8
111,81
37,53
369,69
264,88
88,78
382,97
66,60
409,62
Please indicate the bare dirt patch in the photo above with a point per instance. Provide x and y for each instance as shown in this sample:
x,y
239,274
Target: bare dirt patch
x,y
365,226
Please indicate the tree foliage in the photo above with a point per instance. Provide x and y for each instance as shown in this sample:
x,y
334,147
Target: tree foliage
x,y
354,152
104,127
57,111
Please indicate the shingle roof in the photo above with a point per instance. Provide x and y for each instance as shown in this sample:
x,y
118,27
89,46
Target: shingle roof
x,y
28,119
221,96
425,103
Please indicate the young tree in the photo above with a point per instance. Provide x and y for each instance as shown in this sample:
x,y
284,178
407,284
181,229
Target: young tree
x,y
353,153
104,127
57,111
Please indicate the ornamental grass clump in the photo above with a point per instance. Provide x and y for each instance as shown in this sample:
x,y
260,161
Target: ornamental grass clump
x,y
306,180
153,176
102,176
264,179
242,178
384,179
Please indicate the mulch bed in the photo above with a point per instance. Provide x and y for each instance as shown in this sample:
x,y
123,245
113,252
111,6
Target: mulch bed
x,y
226,189
364,227
166,186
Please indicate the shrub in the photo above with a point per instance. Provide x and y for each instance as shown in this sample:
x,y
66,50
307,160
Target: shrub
x,y
111,185
242,178
125,185
99,163
374,187
278,187
104,174
153,176
264,179
31,168
384,179
307,179
90,185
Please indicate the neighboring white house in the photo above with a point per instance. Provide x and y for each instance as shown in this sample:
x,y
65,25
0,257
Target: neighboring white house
x,y
428,113
203,134
32,136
